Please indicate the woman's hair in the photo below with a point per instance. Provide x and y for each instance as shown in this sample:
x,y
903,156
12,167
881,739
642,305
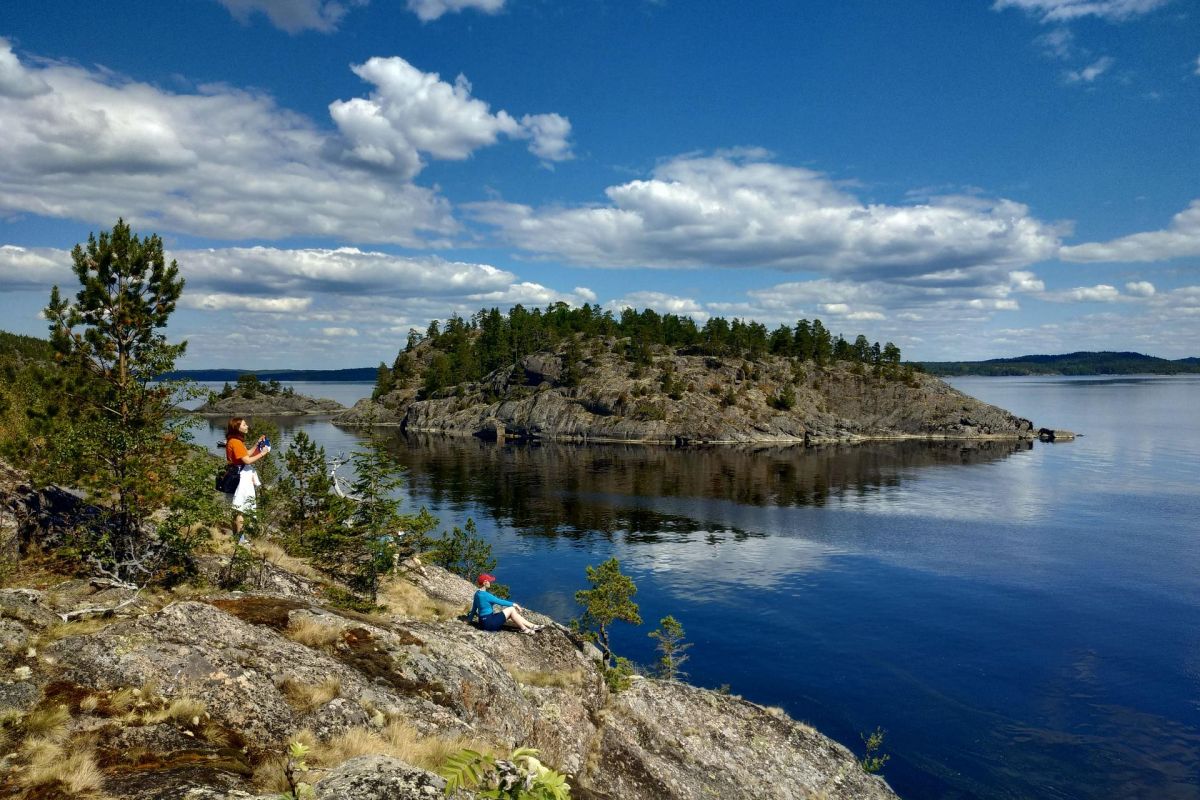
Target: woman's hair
x,y
234,429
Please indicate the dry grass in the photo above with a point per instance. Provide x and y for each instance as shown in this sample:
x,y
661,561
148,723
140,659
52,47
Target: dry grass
x,y
50,763
404,599
48,723
395,739
81,627
306,697
561,679
182,709
313,633
279,557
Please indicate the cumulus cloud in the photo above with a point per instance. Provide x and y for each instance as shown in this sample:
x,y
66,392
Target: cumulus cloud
x,y
294,16
324,16
1180,239
1102,293
220,162
1091,72
36,268
428,10
661,302
269,271
231,164
1067,10
15,80
1140,288
410,112
339,331
220,301
740,210
550,135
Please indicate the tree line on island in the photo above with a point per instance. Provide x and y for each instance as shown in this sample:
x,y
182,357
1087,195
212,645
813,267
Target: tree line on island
x,y
465,350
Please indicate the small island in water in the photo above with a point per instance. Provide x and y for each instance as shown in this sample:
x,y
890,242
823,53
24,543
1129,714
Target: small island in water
x,y
581,374
252,397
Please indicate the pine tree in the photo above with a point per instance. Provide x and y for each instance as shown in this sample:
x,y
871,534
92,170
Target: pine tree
x,y
123,440
609,600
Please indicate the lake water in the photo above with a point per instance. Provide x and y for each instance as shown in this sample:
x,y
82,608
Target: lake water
x,y
1022,620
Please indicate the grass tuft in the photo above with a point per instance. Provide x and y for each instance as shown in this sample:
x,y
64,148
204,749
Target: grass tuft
x,y
306,697
47,722
560,679
50,763
313,633
405,599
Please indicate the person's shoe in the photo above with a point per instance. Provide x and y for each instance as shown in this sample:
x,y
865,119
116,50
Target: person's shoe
x,y
529,631
537,628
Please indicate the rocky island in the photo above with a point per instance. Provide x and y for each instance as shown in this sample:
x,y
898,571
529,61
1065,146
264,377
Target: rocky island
x,y
199,692
608,388
251,398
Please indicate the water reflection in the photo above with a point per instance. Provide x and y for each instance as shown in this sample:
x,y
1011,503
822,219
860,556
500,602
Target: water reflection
x,y
559,489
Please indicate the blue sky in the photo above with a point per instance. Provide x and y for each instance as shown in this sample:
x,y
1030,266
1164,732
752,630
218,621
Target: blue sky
x,y
967,179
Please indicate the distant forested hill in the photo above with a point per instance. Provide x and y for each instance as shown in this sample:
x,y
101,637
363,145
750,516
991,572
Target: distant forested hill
x,y
352,375
1082,363
25,347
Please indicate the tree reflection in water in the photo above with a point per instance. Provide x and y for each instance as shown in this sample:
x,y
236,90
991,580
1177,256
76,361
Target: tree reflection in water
x,y
575,490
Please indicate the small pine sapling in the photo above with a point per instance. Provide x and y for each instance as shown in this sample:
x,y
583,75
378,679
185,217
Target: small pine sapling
x,y
672,649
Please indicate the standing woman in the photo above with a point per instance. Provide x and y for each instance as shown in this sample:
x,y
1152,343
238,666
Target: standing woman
x,y
236,453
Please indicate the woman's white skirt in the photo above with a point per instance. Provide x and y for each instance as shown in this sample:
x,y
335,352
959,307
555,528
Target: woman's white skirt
x,y
243,498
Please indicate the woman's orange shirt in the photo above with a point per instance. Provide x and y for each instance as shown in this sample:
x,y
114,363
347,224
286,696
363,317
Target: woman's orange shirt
x,y
235,451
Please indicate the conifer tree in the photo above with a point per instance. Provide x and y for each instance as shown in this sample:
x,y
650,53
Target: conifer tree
x,y
122,441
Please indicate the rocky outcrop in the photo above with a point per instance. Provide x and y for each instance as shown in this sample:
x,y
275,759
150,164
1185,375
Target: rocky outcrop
x,y
280,404
190,700
687,399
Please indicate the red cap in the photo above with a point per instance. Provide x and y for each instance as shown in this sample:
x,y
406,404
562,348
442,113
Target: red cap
x,y
485,577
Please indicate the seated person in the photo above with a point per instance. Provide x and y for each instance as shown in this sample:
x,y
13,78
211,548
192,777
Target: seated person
x,y
484,609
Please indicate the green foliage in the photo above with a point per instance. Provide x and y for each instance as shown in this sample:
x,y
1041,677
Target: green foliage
x,y
295,768
311,506
193,511
784,399
874,759
521,776
619,676
121,441
609,600
672,650
363,549
464,552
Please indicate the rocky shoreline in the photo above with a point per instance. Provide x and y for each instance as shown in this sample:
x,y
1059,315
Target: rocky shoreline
x,y
261,404
197,692
685,400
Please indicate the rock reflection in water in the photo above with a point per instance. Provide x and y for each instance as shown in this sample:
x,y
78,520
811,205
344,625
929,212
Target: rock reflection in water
x,y
572,490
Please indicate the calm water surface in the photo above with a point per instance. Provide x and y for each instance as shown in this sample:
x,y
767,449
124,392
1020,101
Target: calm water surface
x,y
1024,621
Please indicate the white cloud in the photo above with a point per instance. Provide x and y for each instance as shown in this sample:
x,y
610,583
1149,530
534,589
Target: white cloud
x,y
220,162
1091,72
268,271
737,210
550,134
294,16
661,302
324,16
15,80
231,164
1197,72
428,10
1140,288
1067,10
339,331
1102,293
35,268
410,112
1181,239
220,301
1058,43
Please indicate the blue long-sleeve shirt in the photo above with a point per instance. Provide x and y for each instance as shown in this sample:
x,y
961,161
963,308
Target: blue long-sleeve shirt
x,y
484,604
